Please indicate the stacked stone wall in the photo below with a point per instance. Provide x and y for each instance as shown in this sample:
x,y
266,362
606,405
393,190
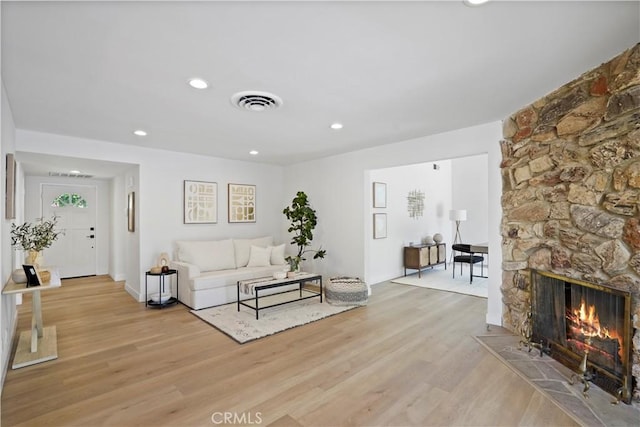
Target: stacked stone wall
x,y
571,189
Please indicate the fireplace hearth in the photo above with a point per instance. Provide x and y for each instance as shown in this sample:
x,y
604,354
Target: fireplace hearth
x,y
586,327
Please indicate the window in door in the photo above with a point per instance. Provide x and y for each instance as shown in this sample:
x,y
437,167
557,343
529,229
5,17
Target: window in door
x,y
69,199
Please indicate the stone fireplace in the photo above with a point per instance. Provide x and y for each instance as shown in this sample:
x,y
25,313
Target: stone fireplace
x,y
571,191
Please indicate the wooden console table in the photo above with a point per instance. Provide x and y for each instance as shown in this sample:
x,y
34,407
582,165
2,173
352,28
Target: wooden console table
x,y
421,256
40,343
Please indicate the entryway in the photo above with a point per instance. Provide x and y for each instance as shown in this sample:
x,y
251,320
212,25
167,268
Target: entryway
x,y
74,253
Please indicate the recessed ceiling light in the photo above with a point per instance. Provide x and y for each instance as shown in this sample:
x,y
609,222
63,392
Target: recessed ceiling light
x,y
474,2
253,152
74,172
139,132
336,126
198,83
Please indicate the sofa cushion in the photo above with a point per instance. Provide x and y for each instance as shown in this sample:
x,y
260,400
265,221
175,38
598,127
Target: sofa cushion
x,y
259,257
277,255
208,255
222,278
242,248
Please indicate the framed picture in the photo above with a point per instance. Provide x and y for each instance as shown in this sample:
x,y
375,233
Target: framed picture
x,y
379,195
242,203
379,226
131,211
33,278
10,189
200,202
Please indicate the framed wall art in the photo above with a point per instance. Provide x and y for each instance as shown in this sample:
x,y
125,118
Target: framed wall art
x,y
242,203
200,202
379,195
379,226
131,211
10,189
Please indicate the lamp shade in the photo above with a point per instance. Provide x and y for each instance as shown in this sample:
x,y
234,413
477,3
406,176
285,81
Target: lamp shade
x,y
458,215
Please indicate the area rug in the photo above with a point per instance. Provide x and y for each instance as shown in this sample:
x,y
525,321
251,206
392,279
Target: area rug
x,y
550,377
442,281
243,327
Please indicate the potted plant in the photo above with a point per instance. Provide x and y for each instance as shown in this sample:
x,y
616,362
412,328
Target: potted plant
x,y
303,221
34,237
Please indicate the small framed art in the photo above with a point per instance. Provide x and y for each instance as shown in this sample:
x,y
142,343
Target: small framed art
x,y
242,203
379,195
379,226
200,202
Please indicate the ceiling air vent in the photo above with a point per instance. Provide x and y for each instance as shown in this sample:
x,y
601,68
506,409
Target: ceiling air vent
x,y
70,175
256,101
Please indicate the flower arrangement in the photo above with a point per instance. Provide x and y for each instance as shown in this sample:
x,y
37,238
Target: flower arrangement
x,y
34,236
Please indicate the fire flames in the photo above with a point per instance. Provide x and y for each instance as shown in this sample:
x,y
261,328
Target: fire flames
x,y
586,322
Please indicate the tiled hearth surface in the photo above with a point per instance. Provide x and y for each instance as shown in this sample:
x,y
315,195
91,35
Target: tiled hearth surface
x,y
550,377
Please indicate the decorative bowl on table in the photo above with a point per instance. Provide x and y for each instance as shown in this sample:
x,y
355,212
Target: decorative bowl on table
x,y
279,274
160,299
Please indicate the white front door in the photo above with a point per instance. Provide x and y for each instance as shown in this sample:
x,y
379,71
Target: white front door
x,y
74,252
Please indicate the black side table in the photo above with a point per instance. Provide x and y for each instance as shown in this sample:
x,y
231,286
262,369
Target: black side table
x,y
161,277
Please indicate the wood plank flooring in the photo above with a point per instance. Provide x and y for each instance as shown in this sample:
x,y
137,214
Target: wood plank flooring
x,y
407,359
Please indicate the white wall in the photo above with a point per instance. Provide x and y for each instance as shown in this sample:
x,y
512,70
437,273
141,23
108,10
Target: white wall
x,y
470,192
8,312
158,184
339,188
386,255
33,211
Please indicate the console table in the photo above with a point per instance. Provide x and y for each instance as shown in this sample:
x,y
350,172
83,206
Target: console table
x,y
40,343
421,256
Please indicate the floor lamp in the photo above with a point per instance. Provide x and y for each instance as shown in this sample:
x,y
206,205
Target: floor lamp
x,y
457,215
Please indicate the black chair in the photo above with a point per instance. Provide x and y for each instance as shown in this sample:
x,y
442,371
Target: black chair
x,y
468,258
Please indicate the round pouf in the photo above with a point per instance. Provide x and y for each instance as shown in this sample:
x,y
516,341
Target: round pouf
x,y
346,291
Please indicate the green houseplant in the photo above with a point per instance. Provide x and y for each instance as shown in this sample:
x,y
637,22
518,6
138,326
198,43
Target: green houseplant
x,y
34,237
303,221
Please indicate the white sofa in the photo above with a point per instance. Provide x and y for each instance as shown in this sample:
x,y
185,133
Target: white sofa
x,y
208,271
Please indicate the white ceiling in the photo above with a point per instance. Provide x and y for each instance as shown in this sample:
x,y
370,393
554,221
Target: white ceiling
x,y
389,71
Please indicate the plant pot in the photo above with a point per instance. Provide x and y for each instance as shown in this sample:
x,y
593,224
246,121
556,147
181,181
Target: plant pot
x,y
291,274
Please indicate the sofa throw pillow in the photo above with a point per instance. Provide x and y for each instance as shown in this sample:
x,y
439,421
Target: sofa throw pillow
x,y
243,248
208,255
259,257
277,255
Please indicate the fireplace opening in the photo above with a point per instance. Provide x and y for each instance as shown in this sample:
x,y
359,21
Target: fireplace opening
x,y
586,327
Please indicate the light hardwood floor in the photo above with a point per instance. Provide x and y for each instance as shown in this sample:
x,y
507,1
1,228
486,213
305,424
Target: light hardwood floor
x,y
408,358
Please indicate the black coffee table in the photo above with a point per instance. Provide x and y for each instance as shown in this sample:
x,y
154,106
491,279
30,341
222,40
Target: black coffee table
x,y
255,286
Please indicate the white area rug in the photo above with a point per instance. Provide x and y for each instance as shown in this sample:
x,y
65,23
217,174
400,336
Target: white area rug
x,y
243,327
440,279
